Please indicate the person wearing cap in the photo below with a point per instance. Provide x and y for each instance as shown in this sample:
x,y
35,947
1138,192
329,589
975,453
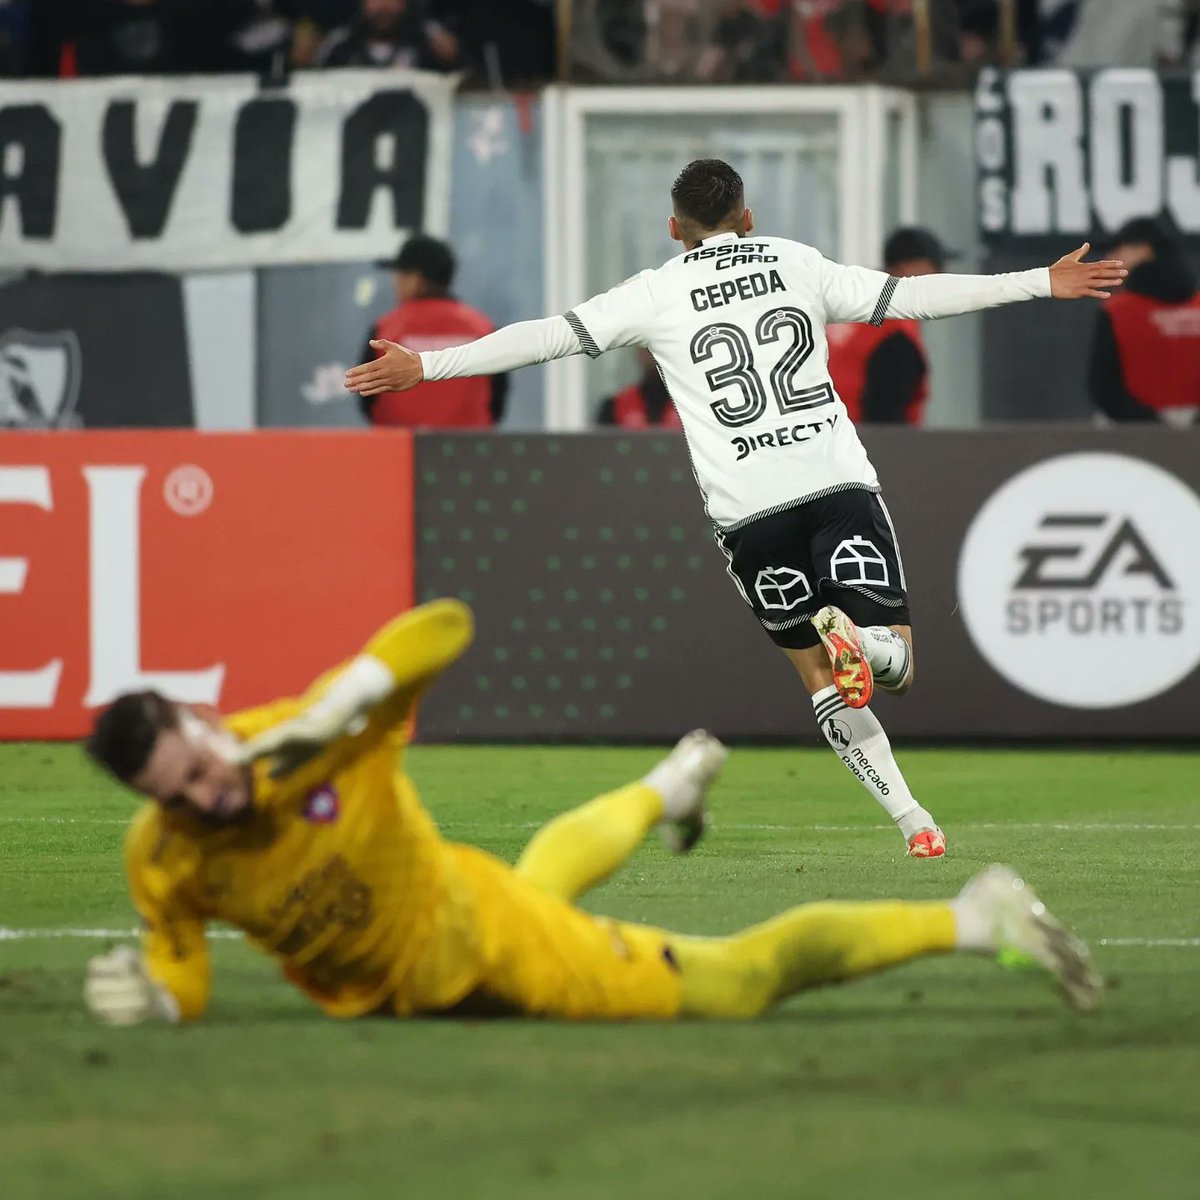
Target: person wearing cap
x,y
880,371
1145,361
429,317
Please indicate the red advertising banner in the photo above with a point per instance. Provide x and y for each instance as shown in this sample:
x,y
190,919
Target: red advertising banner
x,y
224,569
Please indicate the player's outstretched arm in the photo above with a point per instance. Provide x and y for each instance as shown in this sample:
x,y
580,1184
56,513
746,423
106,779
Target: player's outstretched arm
x,y
406,655
927,297
622,316
859,294
521,345
171,978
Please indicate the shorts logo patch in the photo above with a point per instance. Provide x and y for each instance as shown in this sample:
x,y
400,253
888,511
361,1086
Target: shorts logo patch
x,y
782,588
857,560
322,806
838,733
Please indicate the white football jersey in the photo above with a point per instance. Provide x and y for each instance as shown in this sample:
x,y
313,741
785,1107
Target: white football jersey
x,y
737,327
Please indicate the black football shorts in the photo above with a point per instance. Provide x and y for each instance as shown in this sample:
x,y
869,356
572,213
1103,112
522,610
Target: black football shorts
x,y
837,549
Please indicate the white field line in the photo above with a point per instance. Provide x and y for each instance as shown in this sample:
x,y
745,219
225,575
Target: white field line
x,y
1177,942
26,820
1041,826
1015,826
25,935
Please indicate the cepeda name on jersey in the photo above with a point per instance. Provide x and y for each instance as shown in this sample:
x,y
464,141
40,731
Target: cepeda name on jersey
x,y
782,436
745,287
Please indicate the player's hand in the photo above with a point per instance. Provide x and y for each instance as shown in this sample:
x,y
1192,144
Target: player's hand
x,y
1072,279
341,710
293,743
396,370
118,991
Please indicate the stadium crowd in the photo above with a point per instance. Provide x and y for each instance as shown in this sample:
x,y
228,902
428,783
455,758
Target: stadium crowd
x,y
760,41
883,374
510,42
514,42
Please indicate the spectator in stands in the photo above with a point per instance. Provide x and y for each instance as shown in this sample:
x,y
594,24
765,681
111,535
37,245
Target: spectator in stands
x,y
127,37
749,44
881,372
504,45
159,37
1043,27
391,33
253,35
428,317
1145,363
315,21
979,31
14,36
643,405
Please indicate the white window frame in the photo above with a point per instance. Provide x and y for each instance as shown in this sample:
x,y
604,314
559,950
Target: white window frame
x,y
862,113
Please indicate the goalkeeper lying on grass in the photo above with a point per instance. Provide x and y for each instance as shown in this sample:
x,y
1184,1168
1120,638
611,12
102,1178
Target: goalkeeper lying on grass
x,y
296,823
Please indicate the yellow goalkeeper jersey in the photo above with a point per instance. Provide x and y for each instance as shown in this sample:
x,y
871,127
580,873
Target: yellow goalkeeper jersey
x,y
339,872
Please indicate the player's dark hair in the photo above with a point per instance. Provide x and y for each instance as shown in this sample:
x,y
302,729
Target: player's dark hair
x,y
125,732
708,194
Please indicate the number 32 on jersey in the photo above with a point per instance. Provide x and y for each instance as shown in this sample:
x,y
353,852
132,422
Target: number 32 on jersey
x,y
750,402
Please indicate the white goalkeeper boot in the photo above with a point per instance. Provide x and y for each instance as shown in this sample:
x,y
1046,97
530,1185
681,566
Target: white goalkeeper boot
x,y
999,912
682,779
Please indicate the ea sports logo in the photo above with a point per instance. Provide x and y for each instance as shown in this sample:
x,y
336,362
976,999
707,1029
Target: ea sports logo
x,y
1079,580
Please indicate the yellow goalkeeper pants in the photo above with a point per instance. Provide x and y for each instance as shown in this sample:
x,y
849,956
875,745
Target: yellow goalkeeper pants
x,y
744,974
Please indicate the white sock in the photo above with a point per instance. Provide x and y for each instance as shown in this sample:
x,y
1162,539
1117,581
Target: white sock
x,y
858,739
887,653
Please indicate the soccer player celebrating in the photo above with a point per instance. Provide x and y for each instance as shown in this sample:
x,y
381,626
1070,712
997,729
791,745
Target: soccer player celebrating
x,y
296,823
737,325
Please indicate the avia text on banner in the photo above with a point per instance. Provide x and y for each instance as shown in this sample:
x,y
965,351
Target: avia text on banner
x,y
191,173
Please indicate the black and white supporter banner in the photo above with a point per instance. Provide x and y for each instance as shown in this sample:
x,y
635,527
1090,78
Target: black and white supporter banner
x,y
194,173
1064,155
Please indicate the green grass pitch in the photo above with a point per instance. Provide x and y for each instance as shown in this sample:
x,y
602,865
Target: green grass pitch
x,y
948,1079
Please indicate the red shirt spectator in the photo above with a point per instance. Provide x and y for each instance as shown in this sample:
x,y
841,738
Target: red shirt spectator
x,y
1145,363
881,373
429,318
643,405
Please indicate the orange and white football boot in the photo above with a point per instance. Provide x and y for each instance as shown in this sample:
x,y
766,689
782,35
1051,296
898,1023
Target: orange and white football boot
x,y
929,843
851,671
